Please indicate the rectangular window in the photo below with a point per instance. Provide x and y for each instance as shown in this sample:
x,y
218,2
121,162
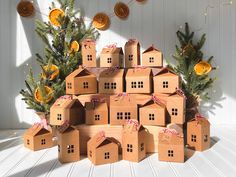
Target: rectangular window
x,y
151,59
127,115
97,117
70,149
174,112
107,155
142,146
58,116
108,60
59,148
85,85
165,84
129,148
69,85
90,153
170,153
89,57
106,85
194,138
43,141
205,138
131,57
140,84
151,116
119,115
113,85
28,142
133,84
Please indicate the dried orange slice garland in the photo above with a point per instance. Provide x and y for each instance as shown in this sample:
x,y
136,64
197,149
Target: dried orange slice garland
x,y
101,21
53,16
25,8
54,69
121,10
74,47
202,67
39,98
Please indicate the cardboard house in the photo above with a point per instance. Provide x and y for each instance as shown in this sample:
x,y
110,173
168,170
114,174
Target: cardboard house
x,y
68,144
67,109
153,113
133,141
170,146
123,107
166,81
152,57
81,81
132,53
37,138
139,80
111,81
112,57
176,104
102,150
96,112
89,53
198,134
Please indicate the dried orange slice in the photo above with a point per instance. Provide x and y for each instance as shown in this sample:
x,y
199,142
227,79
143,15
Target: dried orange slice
x,y
202,67
54,69
121,10
25,8
74,47
53,16
39,98
101,21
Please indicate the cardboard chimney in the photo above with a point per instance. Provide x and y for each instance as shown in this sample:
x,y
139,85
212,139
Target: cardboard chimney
x,y
123,107
89,53
37,138
153,113
170,146
68,144
67,109
96,112
111,81
198,133
152,57
166,81
81,81
132,53
102,150
139,80
112,57
133,141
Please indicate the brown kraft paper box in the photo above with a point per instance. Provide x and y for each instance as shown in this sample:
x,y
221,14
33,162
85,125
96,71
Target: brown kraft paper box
x,y
132,53
152,57
89,53
112,57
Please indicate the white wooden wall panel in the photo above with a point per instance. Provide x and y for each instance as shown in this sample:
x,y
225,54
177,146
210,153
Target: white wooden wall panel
x,y
152,23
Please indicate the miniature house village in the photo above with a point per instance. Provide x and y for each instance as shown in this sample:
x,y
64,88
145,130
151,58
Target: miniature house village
x,y
131,105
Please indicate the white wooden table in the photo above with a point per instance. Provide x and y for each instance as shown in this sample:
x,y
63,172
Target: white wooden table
x,y
220,160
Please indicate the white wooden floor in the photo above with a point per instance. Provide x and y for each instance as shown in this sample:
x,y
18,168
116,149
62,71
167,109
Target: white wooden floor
x,y
220,160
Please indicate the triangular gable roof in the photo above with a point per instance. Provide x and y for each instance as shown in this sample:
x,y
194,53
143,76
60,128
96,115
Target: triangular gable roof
x,y
117,50
123,100
151,102
99,105
99,139
111,73
66,103
164,71
152,48
132,126
36,129
170,139
202,121
139,72
80,72
66,127
132,42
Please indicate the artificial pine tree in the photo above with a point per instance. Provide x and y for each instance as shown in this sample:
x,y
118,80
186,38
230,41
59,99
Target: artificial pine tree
x,y
193,70
62,36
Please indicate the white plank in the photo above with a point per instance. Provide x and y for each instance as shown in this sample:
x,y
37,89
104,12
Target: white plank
x,y
142,168
122,168
102,170
83,168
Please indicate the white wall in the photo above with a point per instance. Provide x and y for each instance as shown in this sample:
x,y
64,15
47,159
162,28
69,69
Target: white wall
x,y
152,23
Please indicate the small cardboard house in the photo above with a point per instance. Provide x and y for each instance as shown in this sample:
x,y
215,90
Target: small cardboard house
x,y
133,141
176,107
68,144
112,57
37,138
152,57
81,81
111,81
198,134
166,81
96,112
102,150
123,107
139,80
67,109
89,53
132,53
170,146
152,113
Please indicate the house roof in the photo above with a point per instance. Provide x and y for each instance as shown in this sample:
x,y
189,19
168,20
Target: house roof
x,y
170,139
166,72
139,72
99,140
111,73
80,72
99,105
66,127
116,50
202,122
132,42
151,49
66,103
151,104
124,100
36,129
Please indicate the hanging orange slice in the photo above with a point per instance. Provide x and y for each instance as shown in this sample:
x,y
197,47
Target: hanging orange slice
x,y
121,10
202,67
101,21
74,47
53,69
39,98
53,16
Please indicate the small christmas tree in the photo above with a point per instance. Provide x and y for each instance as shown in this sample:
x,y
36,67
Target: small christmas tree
x,y
193,70
62,36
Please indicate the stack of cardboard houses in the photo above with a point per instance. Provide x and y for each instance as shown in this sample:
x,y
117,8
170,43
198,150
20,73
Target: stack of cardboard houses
x,y
121,107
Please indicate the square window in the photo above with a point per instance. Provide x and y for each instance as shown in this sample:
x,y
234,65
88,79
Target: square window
x,y
108,60
70,149
97,117
129,148
174,112
90,153
142,146
140,84
127,115
194,138
133,84
107,155
43,141
113,85
58,116
28,142
106,85
89,57
131,57
69,85
151,117
119,115
151,59
205,138
85,85
165,84
170,153
59,148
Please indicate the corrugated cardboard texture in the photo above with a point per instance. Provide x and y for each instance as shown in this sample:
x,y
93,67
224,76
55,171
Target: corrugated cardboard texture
x,y
132,53
139,80
152,57
112,57
89,53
